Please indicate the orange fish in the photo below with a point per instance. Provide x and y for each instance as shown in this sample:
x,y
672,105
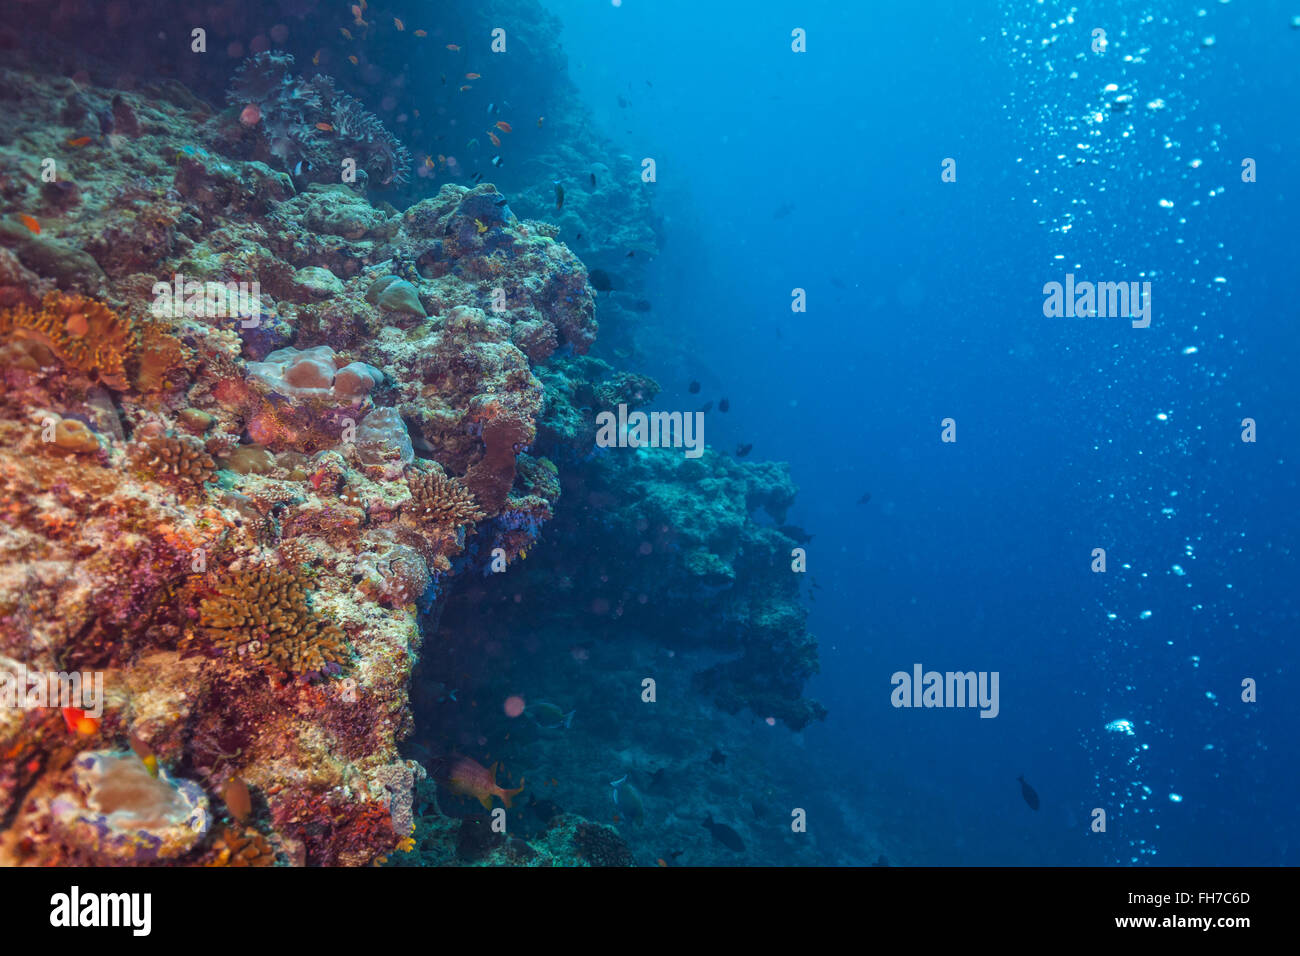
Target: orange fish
x,y
35,227
473,76
79,723
421,33
504,126
453,48
345,33
352,60
356,11
493,136
399,24
467,87
428,161
469,778
325,127
661,862
79,142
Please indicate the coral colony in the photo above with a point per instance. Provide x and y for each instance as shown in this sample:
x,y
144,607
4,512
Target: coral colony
x,y
305,467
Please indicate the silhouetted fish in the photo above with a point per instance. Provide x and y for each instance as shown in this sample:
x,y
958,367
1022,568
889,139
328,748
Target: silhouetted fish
x,y
783,210
881,861
593,180
706,407
724,405
725,835
642,305
866,496
838,283
1026,791
743,449
717,757
693,388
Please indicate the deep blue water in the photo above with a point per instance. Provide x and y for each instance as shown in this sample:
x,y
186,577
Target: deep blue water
x,y
925,302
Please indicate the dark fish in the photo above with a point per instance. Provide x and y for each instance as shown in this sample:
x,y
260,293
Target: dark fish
x,y
693,388
630,254
657,777
838,283
706,407
642,305
624,104
724,405
743,449
760,811
559,196
783,210
725,835
593,180
496,160
797,533
1026,791
577,237
717,757
603,281
881,861
866,496
476,177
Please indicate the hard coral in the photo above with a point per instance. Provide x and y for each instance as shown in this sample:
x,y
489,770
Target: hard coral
x,y
601,846
243,848
441,501
178,458
264,614
86,335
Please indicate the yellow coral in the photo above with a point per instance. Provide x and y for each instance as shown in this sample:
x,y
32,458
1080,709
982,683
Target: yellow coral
x,y
263,613
85,335
442,501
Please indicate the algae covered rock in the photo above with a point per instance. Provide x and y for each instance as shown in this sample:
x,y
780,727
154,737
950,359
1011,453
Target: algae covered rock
x,y
394,294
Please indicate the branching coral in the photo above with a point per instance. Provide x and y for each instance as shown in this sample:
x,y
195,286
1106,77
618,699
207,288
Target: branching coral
x,y
442,501
179,458
84,334
264,614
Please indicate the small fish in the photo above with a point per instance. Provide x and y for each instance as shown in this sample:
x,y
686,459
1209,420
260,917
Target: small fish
x,y
466,87
706,407
30,223
325,127
144,752
693,388
559,195
421,33
630,802
718,758
724,405
1028,792
630,254
496,160
238,800
504,126
346,34
478,224
477,176
492,108
353,60
725,835
744,449
428,161
661,862
577,237
471,144
473,76
444,79
593,180
549,717
316,58
79,142
493,137
642,305
540,121
453,48
399,24
78,723
356,11
866,496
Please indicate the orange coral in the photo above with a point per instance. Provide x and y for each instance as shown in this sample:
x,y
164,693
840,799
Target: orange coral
x,y
246,848
86,335
442,501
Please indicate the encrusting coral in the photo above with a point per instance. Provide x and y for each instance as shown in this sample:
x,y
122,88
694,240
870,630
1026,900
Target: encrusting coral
x,y
263,613
85,334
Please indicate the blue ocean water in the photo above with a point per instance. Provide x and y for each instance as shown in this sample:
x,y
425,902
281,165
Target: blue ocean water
x,y
822,171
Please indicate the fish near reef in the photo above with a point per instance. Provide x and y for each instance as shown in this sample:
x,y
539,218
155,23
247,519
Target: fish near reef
x,y
549,717
469,778
1028,792
725,835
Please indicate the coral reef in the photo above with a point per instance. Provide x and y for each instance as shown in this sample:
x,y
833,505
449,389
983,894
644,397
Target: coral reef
x,y
84,334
